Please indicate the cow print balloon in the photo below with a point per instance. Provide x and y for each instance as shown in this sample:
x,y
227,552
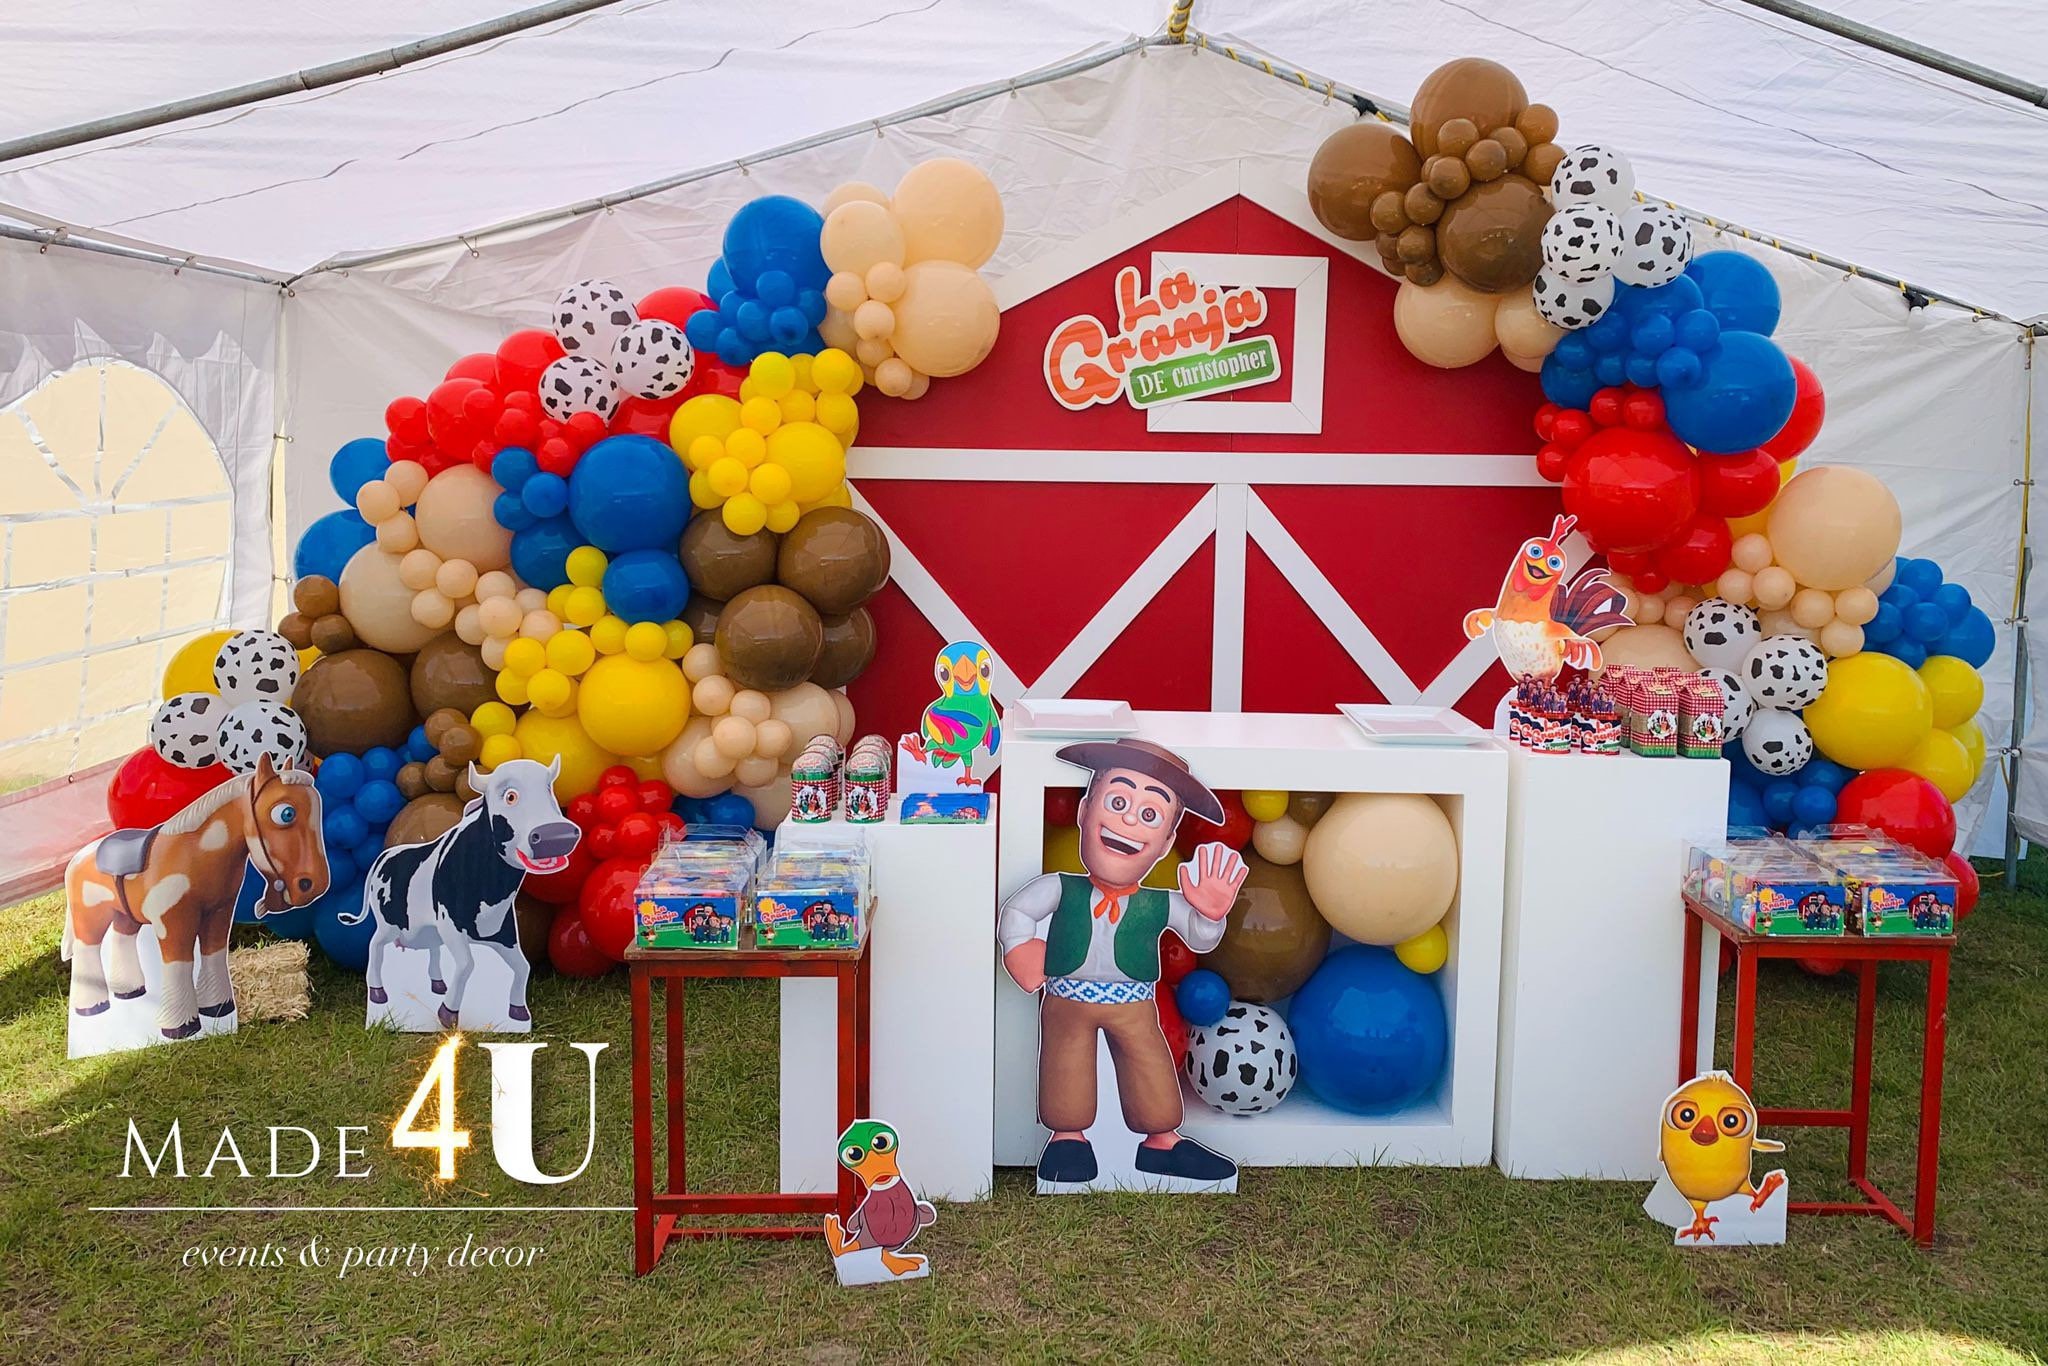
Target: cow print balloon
x,y
1569,305
589,316
1736,703
1720,634
1594,175
182,731
256,666
1245,1063
1777,742
255,729
1656,242
579,384
652,360
1785,673
1581,244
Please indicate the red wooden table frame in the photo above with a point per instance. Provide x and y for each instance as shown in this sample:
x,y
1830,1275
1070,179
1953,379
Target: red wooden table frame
x,y
1864,953
657,1213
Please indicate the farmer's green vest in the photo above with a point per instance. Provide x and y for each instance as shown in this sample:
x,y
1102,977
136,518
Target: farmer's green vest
x,y
1138,928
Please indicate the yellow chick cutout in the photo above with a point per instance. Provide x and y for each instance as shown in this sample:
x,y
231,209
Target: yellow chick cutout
x,y
1706,1140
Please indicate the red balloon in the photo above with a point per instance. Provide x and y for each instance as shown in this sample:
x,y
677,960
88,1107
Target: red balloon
x,y
560,888
673,304
672,825
606,904
645,416
1643,410
1967,885
710,377
1903,805
148,789
638,834
654,795
1809,407
1727,957
1176,959
1631,490
583,430
522,356
1062,805
1571,428
1821,967
1651,581
1236,830
406,420
1737,485
454,431
556,456
1172,1026
1546,421
1605,409
570,948
1626,562
516,427
1551,460
602,841
617,801
481,367
1700,553
582,809
618,775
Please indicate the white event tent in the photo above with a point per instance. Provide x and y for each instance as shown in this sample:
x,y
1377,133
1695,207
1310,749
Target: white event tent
x,y
293,212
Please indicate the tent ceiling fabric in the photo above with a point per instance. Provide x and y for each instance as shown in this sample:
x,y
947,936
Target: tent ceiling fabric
x,y
2010,36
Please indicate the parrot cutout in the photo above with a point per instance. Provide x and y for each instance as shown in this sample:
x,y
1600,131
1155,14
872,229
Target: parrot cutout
x,y
1707,1141
963,722
868,1248
1542,623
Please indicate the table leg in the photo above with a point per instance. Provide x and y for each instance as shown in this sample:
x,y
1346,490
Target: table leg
x,y
864,1037
643,1125
1689,1002
1745,1016
676,1085
1859,1086
1933,1046
849,1074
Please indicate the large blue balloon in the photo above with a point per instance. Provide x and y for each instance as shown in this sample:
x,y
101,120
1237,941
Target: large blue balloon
x,y
629,493
1371,1032
294,922
1971,640
1737,290
356,464
540,554
347,945
1745,393
329,543
1746,809
646,585
775,233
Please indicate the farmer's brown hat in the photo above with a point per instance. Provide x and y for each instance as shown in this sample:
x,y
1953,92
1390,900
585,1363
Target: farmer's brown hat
x,y
1153,760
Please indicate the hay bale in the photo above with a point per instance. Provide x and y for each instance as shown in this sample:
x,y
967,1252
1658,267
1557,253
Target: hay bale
x,y
270,980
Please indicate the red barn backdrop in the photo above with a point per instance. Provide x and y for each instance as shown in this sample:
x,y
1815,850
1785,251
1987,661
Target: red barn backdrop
x,y
1287,547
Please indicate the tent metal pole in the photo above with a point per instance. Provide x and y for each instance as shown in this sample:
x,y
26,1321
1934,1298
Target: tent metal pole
x,y
297,82
2019,632
1917,53
45,238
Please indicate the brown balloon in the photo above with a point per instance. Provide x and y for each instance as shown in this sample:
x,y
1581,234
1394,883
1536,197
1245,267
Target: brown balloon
x,y
1418,244
441,773
1513,145
355,700
1421,204
769,638
1456,137
316,596
448,673
720,563
1449,178
297,630
836,557
1308,807
1537,123
700,614
332,634
1542,162
1487,160
424,818
461,744
1390,211
1492,237
437,723
1274,939
1425,272
1472,88
412,780
1353,168
534,918
849,645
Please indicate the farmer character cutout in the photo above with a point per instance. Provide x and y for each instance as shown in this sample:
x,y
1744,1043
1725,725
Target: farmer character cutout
x,y
1091,943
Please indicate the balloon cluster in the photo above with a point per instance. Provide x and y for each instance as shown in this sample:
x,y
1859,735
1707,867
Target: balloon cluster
x,y
768,288
1920,615
243,717
777,451
906,296
732,738
1600,237
1824,556
610,353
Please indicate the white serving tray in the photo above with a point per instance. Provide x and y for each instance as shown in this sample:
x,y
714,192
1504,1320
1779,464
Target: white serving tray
x,y
1428,726
1069,716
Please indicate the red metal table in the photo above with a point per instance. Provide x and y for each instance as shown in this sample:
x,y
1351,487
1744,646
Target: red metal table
x,y
1863,953
657,1213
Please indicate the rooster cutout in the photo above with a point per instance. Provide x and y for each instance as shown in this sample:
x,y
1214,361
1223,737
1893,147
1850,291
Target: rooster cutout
x,y
1542,623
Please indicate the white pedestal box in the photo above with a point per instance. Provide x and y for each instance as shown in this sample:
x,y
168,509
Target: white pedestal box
x,y
932,1065
1234,751
1591,952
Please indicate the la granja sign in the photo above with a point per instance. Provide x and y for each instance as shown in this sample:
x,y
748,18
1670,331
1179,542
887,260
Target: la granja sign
x,y
1180,341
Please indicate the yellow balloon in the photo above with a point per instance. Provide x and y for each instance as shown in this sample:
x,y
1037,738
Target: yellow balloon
x,y
1165,874
1063,850
1265,806
713,415
1426,952
1943,760
493,718
1971,734
1758,522
543,738
1872,713
569,652
813,456
632,706
1957,688
586,565
773,374
497,749
191,668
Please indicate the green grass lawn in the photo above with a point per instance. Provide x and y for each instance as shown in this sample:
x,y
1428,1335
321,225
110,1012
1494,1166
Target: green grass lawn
x,y
1397,1264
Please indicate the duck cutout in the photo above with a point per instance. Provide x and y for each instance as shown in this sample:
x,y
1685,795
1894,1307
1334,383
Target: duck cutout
x,y
1707,1141
961,723
868,1249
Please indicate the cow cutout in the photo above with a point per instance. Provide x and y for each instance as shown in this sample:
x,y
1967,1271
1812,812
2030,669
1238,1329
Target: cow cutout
x,y
447,906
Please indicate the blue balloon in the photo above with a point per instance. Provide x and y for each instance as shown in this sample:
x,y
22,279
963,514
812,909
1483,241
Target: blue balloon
x,y
511,513
1608,334
1954,601
1922,576
347,945
545,495
718,281
1203,997
418,749
1825,773
1745,809
381,762
1813,805
1573,351
787,325
629,493
365,854
753,321
1697,330
1652,336
344,828
1737,290
1642,370
1926,622
775,233
379,801
1900,595
775,288
1746,392
1972,639
540,554
812,302
701,329
1566,385
329,543
729,308
1679,368
733,350
727,808
1370,1032
513,466
356,464
1884,628
340,777
646,585
1910,653
1611,368
1779,796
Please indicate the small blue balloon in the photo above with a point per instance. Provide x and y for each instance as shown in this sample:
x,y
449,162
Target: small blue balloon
x,y
729,307
1825,773
1779,796
365,854
646,585
1908,652
340,777
356,464
540,554
1609,334
1901,596
1203,997
1370,1033
380,762
1678,368
629,493
1926,622
1740,768
1745,809
775,288
1812,805
718,281
1667,300
1971,640
1922,576
727,808
511,513
1884,628
1566,385
1642,370
812,302
1954,601
1697,330
1746,392
1573,351
347,945
753,321
1611,368
733,350
1738,290
379,801
701,329
418,749
787,325
545,495
1652,336
327,546
343,828
513,466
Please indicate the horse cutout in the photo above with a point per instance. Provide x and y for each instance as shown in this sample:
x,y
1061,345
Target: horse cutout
x,y
453,896
177,882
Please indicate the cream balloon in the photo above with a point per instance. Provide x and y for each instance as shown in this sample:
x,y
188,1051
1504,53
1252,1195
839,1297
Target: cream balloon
x,y
1834,527
1448,324
379,605
678,762
456,520
860,235
1648,647
770,799
852,192
843,705
947,319
950,211
1281,841
1523,332
1528,364
1382,867
808,710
